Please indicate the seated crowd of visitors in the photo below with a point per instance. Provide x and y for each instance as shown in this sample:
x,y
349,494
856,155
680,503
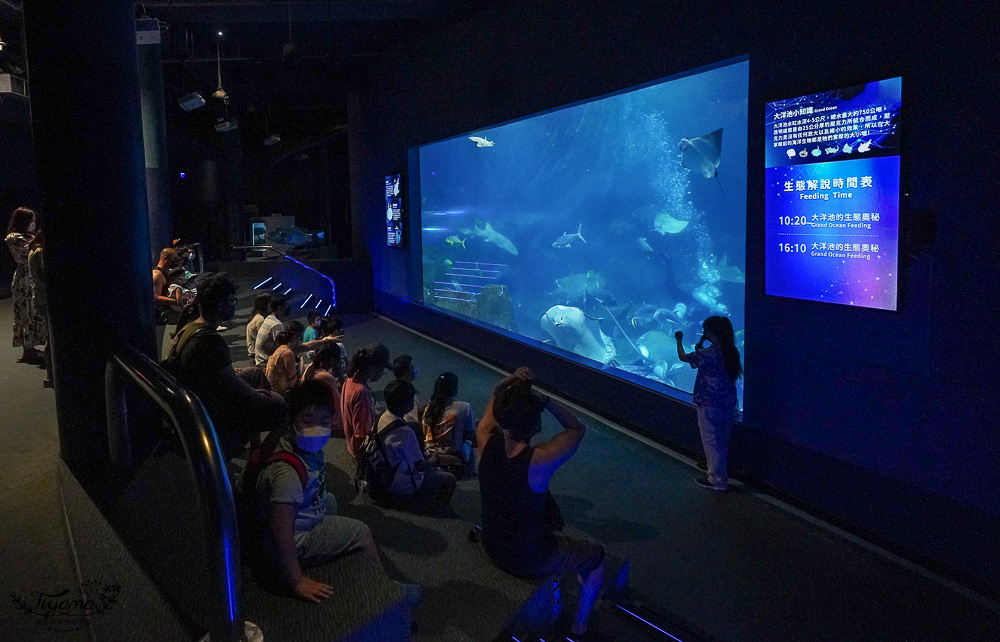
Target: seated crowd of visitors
x,y
302,392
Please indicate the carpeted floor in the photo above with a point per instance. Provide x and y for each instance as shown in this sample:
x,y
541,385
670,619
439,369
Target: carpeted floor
x,y
35,555
733,566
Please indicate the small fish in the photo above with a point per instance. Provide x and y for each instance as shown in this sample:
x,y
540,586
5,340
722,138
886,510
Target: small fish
x,y
832,150
566,240
448,263
864,147
644,245
740,335
481,142
454,241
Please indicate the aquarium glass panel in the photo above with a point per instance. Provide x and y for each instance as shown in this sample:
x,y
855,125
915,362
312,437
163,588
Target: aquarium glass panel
x,y
597,230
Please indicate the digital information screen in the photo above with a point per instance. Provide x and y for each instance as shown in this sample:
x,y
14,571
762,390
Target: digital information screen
x,y
393,211
832,196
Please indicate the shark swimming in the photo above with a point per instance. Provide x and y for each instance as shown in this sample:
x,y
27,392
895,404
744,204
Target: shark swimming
x,y
481,142
490,235
566,240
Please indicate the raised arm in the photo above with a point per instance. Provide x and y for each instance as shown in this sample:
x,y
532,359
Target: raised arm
x,y
488,422
314,345
688,357
552,454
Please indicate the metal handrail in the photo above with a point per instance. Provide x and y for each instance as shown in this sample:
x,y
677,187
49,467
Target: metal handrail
x,y
333,288
208,472
201,257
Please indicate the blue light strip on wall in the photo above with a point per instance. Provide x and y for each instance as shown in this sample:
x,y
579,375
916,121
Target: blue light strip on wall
x,y
276,287
333,288
263,282
305,302
328,308
285,293
319,303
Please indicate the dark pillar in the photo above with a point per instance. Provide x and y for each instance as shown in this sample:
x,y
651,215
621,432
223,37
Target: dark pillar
x,y
154,134
88,142
232,211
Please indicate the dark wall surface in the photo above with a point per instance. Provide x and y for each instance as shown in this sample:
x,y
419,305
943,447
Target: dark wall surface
x,y
885,420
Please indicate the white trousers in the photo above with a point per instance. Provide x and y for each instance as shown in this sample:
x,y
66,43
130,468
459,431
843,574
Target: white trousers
x,y
715,426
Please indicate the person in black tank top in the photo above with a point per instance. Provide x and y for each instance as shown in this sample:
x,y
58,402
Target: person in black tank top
x,y
520,516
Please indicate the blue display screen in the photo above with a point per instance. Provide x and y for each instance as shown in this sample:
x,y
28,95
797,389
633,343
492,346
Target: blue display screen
x,y
598,230
832,196
393,211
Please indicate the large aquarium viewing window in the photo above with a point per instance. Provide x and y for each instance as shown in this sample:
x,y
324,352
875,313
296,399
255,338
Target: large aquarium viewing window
x,y
599,229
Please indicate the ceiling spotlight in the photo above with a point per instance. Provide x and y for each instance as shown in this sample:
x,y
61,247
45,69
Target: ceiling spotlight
x,y
220,33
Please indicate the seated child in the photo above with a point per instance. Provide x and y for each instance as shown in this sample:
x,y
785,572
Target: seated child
x,y
300,525
414,476
312,330
326,369
449,427
404,370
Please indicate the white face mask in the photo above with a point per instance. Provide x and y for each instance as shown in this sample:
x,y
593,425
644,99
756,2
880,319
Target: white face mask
x,y
311,439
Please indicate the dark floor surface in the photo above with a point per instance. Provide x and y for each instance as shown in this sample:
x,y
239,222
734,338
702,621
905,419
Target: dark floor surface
x,y
734,566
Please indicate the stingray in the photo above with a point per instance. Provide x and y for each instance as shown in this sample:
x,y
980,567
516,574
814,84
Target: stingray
x,y
703,154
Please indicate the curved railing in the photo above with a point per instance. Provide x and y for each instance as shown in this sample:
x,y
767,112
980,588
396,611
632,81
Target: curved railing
x,y
208,470
333,288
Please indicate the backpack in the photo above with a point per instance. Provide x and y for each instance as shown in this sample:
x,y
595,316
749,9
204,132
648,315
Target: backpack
x,y
247,500
172,363
374,473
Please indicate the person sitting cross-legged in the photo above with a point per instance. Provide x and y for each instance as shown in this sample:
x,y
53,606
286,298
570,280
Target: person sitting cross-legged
x,y
300,525
414,476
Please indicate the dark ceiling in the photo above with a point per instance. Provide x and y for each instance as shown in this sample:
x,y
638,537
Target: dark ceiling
x,y
330,40
287,66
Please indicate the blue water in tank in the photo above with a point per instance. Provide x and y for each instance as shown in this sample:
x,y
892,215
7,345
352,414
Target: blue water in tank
x,y
603,227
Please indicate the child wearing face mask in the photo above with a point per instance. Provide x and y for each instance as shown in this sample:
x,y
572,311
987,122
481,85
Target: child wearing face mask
x,y
299,516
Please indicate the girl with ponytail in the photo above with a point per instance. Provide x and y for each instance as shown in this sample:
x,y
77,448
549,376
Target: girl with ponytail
x,y
448,426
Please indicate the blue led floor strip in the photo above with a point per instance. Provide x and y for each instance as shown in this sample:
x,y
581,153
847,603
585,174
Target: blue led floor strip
x,y
263,282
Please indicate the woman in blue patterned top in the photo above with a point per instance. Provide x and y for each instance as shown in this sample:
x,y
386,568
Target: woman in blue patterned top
x,y
714,394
